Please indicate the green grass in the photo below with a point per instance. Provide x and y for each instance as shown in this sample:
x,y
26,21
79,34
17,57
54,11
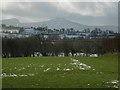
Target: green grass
x,y
106,70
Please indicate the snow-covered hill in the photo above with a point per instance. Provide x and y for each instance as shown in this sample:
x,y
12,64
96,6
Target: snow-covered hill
x,y
12,21
58,23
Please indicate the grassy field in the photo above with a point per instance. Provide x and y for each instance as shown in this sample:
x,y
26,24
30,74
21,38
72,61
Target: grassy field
x,y
60,72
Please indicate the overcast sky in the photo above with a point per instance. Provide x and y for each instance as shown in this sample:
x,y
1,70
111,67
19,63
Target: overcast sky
x,y
89,13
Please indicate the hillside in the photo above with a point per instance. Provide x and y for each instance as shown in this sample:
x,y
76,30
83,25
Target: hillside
x,y
57,23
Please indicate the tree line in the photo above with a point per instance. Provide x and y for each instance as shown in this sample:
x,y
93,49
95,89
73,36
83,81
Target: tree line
x,y
25,47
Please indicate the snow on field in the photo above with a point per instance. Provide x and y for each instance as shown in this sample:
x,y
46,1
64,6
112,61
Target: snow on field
x,y
42,65
115,83
15,75
58,69
46,69
79,65
75,63
66,69
72,65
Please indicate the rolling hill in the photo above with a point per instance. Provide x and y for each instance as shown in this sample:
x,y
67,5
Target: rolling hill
x,y
57,23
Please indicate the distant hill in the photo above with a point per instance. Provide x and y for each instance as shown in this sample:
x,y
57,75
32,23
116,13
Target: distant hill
x,y
12,21
57,23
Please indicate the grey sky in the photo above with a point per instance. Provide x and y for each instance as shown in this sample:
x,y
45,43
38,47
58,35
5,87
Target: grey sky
x,y
89,13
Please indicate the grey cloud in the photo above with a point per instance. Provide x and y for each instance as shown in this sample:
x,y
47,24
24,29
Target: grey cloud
x,y
47,10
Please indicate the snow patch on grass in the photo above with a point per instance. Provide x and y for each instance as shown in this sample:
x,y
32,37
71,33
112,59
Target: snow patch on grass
x,y
79,65
15,75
